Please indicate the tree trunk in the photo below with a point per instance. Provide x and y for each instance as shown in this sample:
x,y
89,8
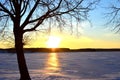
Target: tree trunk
x,y
24,74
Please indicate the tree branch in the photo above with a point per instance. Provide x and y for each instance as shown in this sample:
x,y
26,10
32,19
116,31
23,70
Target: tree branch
x,y
30,14
23,10
7,11
11,6
33,29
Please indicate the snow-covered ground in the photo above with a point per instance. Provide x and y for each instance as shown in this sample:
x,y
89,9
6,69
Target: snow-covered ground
x,y
64,66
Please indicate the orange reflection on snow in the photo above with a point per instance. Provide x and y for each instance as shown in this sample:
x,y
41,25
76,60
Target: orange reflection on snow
x,y
52,64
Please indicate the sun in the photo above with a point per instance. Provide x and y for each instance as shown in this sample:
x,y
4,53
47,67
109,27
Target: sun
x,y
53,42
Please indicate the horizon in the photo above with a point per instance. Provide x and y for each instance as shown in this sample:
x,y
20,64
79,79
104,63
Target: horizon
x,y
60,48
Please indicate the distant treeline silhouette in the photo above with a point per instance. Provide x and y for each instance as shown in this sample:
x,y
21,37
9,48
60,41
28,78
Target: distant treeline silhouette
x,y
32,50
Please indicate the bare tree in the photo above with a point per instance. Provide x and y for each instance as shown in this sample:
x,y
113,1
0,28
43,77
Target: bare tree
x,y
23,16
113,15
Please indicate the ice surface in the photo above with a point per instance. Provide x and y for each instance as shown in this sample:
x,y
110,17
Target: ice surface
x,y
64,66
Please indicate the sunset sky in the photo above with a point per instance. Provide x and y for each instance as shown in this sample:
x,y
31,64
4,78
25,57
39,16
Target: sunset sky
x,y
96,36
86,40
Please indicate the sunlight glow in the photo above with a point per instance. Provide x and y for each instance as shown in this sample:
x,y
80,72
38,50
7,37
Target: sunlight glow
x,y
53,42
52,64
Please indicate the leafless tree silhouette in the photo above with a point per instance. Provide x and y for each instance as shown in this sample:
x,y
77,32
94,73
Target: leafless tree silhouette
x,y
113,15
23,16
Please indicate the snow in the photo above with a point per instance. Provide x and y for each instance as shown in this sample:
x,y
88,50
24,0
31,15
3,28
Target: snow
x,y
66,66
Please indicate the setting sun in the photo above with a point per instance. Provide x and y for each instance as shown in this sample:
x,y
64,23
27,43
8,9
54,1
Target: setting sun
x,y
53,42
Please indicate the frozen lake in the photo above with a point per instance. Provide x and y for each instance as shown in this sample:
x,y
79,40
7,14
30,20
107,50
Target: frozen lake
x,y
64,66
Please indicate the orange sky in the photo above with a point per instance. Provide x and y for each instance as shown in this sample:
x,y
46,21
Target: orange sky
x,y
106,40
73,42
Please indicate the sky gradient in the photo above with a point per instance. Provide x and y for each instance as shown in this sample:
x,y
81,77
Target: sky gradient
x,y
96,36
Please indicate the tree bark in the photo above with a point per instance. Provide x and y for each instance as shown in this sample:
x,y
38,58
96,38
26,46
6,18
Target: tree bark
x,y
24,74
